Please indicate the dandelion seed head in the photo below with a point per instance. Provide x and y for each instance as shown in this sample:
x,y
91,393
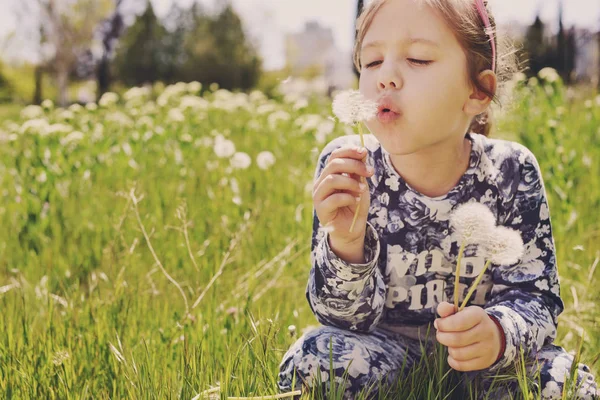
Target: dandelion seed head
x,y
240,160
472,222
350,107
265,159
504,246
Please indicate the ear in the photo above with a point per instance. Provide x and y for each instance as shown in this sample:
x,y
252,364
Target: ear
x,y
478,101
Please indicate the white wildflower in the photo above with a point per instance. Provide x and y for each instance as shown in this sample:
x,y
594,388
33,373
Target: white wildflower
x,y
31,112
75,108
66,115
504,246
241,160
194,87
127,149
277,116
224,148
300,104
193,102
350,107
42,177
60,357
72,137
38,126
549,74
136,93
175,115
265,159
472,222
266,108
91,106
48,104
108,99
59,129
256,96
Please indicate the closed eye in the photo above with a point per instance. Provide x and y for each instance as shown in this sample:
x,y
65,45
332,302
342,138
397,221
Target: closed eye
x,y
411,60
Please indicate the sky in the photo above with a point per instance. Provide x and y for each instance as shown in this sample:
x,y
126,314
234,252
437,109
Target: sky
x,y
267,20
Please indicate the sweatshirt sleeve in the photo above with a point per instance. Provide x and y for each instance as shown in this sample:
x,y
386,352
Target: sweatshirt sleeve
x,y
525,297
345,295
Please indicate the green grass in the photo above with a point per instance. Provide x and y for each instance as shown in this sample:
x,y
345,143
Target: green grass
x,y
87,311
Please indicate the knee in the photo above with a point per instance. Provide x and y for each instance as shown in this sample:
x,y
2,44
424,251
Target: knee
x,y
314,355
554,365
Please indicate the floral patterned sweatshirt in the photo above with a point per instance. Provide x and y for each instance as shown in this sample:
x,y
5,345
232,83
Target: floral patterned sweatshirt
x,y
411,252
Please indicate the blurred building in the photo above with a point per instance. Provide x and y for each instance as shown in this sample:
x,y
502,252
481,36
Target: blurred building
x,y
313,49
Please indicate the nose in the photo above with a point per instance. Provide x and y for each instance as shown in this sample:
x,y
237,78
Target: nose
x,y
389,77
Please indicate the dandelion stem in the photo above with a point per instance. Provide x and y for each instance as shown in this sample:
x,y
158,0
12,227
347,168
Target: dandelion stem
x,y
474,286
457,278
362,179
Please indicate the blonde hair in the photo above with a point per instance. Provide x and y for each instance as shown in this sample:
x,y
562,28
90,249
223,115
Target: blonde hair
x,y
468,27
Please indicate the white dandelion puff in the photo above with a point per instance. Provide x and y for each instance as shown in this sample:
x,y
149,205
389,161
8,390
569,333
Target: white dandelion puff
x,y
224,148
108,99
265,159
31,112
472,222
351,107
240,160
504,246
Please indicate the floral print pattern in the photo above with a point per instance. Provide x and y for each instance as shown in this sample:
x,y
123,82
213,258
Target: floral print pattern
x,y
411,254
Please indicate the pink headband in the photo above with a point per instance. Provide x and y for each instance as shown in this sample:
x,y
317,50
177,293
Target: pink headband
x,y
488,28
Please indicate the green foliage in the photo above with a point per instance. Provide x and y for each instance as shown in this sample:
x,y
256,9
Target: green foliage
x,y
198,47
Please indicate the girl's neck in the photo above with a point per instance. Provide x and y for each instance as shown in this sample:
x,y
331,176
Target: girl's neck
x,y
435,170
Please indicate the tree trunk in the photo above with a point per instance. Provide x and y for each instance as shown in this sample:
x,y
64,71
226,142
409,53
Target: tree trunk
x,y
62,78
37,94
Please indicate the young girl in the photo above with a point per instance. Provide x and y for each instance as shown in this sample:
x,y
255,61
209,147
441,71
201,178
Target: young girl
x,y
433,68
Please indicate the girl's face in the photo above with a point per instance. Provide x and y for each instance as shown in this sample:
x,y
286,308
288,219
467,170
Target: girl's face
x,y
420,65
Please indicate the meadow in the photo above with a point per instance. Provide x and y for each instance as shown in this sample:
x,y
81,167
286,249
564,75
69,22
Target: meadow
x,y
157,244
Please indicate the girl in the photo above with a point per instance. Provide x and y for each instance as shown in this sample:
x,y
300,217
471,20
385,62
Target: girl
x,y
433,68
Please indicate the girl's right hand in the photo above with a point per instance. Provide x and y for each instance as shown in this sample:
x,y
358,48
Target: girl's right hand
x,y
335,193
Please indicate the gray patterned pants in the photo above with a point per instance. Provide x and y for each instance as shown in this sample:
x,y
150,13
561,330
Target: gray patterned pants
x,y
380,356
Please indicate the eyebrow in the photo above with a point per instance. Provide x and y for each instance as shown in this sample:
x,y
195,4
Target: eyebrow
x,y
379,43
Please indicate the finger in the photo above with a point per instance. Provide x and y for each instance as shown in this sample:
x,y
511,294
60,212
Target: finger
x,y
338,200
461,321
445,309
459,339
471,365
335,182
349,162
467,353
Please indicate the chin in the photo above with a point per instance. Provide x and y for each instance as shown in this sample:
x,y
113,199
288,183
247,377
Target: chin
x,y
397,144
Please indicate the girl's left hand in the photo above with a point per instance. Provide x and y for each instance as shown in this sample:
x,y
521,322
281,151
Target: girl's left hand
x,y
473,339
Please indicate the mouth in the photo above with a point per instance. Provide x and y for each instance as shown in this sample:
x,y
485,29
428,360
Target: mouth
x,y
387,116
386,105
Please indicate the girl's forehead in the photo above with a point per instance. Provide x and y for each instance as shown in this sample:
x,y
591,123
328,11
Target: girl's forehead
x,y
405,20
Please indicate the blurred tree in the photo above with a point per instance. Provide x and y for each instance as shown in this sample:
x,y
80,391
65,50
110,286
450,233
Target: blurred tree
x,y
110,30
69,27
191,46
6,89
236,63
359,8
536,46
564,61
140,54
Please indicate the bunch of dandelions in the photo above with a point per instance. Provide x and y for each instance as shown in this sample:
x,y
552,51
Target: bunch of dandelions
x,y
351,108
475,224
